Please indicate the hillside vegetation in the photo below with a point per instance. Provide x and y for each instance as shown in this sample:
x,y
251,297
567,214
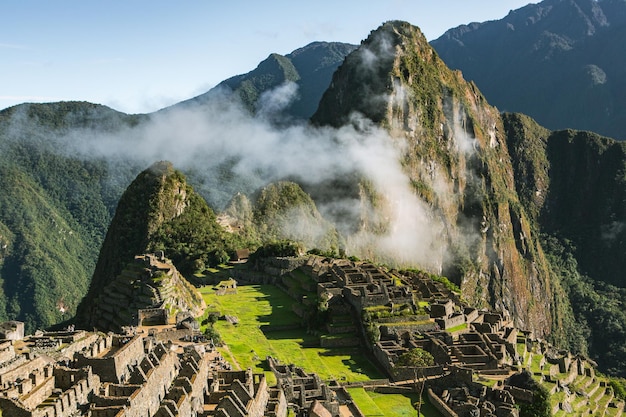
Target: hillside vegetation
x,y
54,209
524,220
560,62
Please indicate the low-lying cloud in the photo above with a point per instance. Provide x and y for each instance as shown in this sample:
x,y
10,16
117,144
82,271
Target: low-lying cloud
x,y
221,135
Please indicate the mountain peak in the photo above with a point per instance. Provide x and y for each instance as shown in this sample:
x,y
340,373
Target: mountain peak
x,y
546,60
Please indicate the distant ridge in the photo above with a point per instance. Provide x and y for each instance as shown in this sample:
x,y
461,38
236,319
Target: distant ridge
x,y
562,62
310,68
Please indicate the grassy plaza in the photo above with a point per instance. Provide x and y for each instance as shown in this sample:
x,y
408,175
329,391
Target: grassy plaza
x,y
373,404
268,327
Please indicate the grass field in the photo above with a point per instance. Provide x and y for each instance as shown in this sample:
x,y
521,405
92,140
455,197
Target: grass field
x,y
263,312
373,404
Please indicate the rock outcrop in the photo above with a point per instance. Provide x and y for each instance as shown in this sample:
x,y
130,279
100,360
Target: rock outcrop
x,y
453,149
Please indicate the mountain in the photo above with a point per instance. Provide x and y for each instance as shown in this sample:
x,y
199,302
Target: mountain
x,y
284,211
150,283
558,61
454,152
158,211
304,74
526,217
65,165
573,185
405,163
54,208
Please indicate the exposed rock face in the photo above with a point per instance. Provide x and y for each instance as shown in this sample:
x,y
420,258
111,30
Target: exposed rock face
x,y
454,153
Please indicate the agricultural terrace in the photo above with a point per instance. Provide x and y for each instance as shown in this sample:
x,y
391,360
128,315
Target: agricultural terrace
x,y
267,326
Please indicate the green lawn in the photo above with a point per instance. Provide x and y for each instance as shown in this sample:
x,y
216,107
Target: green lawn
x,y
373,404
457,328
260,309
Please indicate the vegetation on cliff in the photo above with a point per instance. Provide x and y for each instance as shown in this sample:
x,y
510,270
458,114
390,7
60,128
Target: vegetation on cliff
x,y
284,211
574,186
455,155
158,211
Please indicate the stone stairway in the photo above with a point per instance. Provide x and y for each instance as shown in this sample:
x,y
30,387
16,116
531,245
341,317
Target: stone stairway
x,y
156,295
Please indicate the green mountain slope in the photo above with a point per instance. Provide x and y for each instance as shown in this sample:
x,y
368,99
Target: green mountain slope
x,y
574,183
559,61
159,211
284,211
54,209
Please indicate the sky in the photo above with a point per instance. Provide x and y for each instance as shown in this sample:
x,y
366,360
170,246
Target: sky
x,y
138,56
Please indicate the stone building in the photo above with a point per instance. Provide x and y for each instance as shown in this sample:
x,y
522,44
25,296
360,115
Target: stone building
x,y
303,389
12,330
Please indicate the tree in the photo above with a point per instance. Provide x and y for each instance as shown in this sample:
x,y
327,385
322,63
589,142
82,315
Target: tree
x,y
416,358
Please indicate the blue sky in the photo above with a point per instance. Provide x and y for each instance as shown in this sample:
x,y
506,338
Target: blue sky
x,y
139,56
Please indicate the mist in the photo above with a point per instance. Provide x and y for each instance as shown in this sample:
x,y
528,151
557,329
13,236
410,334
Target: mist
x,y
224,149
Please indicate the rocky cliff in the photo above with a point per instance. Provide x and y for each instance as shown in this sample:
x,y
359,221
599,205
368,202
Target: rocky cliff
x,y
454,151
573,184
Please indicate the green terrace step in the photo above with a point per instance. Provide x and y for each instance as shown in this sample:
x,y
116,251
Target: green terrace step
x,y
365,403
592,388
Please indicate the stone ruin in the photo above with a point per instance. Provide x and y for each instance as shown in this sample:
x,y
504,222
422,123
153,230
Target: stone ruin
x,y
132,375
303,390
77,373
12,330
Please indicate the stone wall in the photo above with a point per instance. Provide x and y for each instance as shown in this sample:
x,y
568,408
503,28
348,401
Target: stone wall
x,y
174,335
143,399
152,316
334,342
38,365
125,352
77,386
12,330
276,404
7,351
193,377
33,395
520,393
440,405
407,373
79,344
450,322
256,407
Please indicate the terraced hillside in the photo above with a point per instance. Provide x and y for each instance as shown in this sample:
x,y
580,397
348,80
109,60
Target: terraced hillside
x,y
374,315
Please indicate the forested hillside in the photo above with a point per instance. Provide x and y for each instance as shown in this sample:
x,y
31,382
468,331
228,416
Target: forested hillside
x,y
54,209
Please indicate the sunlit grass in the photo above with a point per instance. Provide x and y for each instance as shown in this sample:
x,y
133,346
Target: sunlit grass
x,y
268,327
373,404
